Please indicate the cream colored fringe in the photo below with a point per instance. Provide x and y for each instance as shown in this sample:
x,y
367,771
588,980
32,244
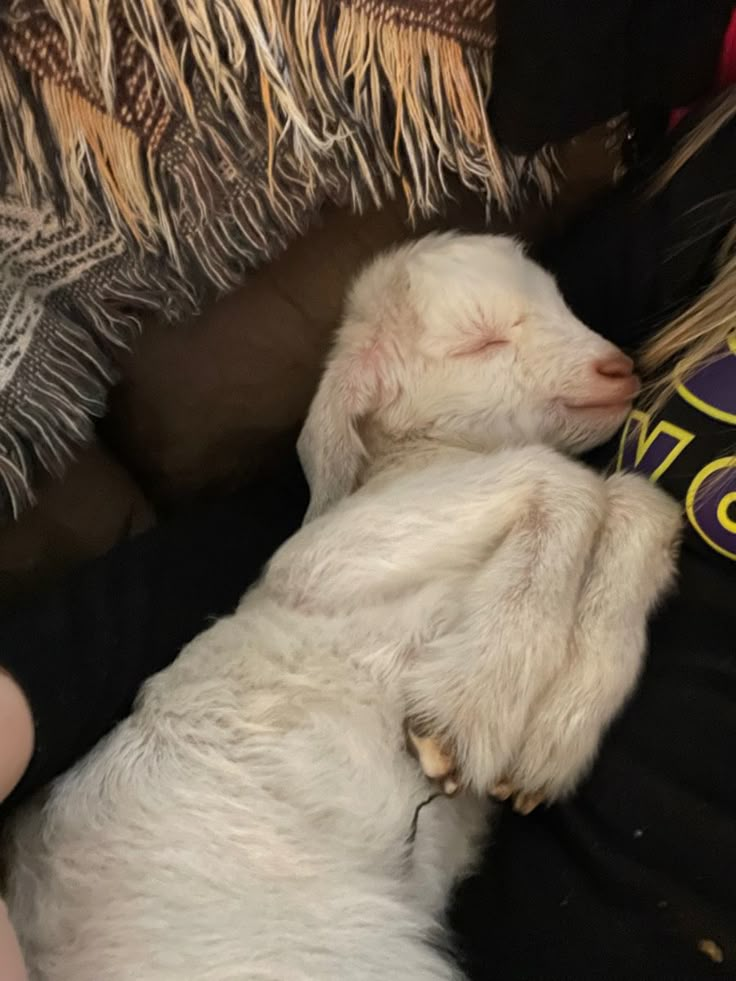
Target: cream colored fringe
x,y
371,101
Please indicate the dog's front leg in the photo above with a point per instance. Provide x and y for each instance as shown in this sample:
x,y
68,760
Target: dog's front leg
x,y
472,689
631,568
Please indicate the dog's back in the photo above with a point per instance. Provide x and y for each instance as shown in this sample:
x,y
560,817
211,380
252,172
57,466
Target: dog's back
x,y
254,825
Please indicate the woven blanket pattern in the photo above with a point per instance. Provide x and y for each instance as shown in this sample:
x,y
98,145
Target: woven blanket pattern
x,y
152,150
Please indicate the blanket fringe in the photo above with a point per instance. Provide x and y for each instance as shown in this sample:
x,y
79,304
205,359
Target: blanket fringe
x,y
69,392
90,140
371,100
71,384
22,158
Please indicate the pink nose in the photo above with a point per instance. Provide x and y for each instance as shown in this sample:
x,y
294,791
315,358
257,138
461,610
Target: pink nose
x,y
613,384
615,366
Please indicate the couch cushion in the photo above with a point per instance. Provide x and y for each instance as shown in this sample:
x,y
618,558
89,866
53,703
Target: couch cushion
x,y
81,515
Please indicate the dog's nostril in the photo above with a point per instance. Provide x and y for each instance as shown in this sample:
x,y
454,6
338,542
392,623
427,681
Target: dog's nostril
x,y
617,366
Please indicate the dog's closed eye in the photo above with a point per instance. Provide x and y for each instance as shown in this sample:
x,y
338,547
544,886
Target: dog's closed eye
x,y
485,341
479,345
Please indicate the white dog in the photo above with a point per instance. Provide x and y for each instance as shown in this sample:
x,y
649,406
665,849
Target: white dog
x,y
257,816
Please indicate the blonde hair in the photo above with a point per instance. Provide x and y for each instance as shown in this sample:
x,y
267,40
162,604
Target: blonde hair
x,y
699,333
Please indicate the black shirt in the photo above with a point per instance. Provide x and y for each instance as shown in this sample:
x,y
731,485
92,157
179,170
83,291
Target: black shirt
x,y
689,449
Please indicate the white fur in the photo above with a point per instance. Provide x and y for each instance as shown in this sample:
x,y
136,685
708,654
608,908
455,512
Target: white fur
x,y
251,819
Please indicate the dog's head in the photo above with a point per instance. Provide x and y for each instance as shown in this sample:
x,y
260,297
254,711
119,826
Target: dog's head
x,y
465,341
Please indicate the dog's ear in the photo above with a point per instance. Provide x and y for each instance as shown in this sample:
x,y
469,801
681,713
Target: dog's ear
x,y
330,447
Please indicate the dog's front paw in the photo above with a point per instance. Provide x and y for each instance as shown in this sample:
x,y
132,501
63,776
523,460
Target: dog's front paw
x,y
439,764
467,757
554,758
631,570
466,727
553,755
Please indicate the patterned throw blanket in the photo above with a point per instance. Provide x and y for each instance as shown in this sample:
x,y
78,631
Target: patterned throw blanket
x,y
152,150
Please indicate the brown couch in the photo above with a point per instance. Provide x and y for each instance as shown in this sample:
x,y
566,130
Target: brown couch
x,y
215,400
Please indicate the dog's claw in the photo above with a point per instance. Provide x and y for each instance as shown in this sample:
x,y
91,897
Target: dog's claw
x,y
450,786
436,763
502,791
523,802
526,803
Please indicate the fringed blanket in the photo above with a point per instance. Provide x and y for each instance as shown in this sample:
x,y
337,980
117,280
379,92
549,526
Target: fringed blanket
x,y
151,150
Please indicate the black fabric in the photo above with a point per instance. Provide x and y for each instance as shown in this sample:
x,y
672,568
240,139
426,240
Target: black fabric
x,y
634,877
635,260
81,651
561,67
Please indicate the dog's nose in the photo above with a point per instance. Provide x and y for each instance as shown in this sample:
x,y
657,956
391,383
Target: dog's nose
x,y
615,366
611,382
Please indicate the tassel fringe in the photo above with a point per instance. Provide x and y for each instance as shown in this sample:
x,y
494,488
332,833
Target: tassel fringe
x,y
375,99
